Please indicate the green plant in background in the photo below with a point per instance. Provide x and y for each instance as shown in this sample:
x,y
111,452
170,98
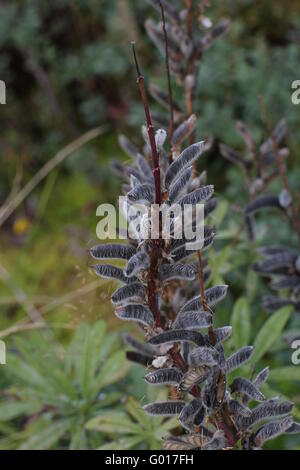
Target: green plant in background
x,y
131,427
50,393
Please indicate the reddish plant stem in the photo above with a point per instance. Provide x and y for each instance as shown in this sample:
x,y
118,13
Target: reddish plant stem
x,y
281,167
171,125
155,253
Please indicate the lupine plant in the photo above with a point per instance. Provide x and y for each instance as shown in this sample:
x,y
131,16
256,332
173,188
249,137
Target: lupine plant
x,y
164,281
261,165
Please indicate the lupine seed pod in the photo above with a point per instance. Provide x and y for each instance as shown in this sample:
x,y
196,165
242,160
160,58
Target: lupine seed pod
x,y
142,193
203,356
183,131
134,292
180,184
239,409
192,320
188,413
136,263
185,159
173,336
265,410
177,271
142,348
213,295
262,202
108,271
164,408
135,312
169,376
112,251
261,377
271,430
278,134
241,385
238,358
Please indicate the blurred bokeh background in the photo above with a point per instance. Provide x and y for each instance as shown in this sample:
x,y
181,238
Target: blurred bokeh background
x,y
68,69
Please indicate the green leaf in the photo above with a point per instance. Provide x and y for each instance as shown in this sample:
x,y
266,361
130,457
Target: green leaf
x,y
13,409
285,374
241,326
114,422
124,443
270,331
114,369
136,411
47,437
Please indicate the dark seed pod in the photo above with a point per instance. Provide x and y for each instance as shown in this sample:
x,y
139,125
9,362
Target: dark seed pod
x,y
135,312
238,358
262,202
142,193
278,134
112,251
213,295
136,263
271,430
261,377
272,304
134,292
265,410
192,320
185,159
180,184
203,356
239,409
233,156
277,261
108,271
188,413
293,429
197,196
142,348
173,336
176,271
144,167
184,130
138,358
164,408
170,376
221,334
285,282
241,385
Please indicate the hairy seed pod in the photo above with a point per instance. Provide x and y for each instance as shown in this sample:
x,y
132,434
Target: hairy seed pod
x,y
261,377
262,202
221,334
203,356
168,376
188,413
241,385
285,282
271,430
213,295
184,130
193,377
293,429
136,263
142,348
112,251
192,320
173,336
134,292
176,271
143,193
280,260
185,159
272,303
197,196
164,408
239,409
138,358
278,134
238,358
144,168
233,156
135,312
244,130
180,184
265,410
108,271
